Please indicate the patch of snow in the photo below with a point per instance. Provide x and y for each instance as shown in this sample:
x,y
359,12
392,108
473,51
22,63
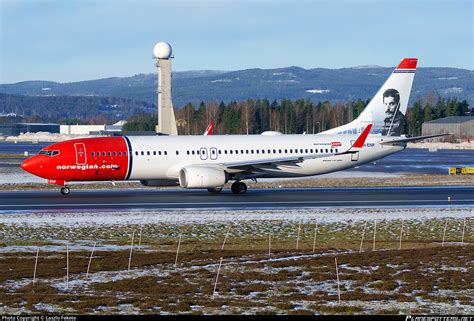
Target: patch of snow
x,y
225,80
221,80
366,67
20,178
318,91
284,81
454,268
43,137
73,247
452,90
47,307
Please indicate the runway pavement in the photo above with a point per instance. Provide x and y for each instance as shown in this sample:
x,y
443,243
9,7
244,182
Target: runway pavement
x,y
257,198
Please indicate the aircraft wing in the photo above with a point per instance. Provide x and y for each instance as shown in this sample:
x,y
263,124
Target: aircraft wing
x,y
359,143
254,165
273,161
410,139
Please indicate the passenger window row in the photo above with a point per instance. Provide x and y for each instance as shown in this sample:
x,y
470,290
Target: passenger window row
x,y
108,154
266,151
226,152
150,153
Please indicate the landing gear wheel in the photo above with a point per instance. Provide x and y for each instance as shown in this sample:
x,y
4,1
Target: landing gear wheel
x,y
215,189
239,188
65,190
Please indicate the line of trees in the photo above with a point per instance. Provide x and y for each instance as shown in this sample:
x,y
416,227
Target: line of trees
x,y
81,109
257,116
290,116
433,109
298,116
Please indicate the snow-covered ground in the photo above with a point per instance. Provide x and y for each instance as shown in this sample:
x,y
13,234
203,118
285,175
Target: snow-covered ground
x,y
79,219
43,137
19,177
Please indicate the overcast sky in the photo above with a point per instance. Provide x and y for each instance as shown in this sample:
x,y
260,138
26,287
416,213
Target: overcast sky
x,y
71,40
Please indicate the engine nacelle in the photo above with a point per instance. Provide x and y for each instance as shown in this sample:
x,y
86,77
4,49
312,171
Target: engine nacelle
x,y
159,182
201,177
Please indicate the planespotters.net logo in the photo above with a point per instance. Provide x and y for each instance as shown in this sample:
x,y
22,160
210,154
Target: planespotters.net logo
x,y
438,318
87,167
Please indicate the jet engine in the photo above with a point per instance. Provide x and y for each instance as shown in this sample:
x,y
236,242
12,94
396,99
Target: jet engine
x,y
201,177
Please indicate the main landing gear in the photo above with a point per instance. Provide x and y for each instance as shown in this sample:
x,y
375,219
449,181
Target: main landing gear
x,y
65,190
215,190
238,188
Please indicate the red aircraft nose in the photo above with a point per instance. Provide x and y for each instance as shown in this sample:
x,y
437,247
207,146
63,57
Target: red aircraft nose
x,y
33,165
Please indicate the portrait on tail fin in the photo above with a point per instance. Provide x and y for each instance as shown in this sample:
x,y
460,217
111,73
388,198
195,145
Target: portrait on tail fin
x,y
395,122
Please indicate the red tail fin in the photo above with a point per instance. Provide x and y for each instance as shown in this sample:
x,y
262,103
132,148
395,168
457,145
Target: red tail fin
x,y
408,63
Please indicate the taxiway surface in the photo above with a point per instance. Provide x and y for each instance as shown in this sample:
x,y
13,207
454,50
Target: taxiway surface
x,y
258,198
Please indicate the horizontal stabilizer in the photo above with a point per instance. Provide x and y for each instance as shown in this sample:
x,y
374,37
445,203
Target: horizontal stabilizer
x,y
410,139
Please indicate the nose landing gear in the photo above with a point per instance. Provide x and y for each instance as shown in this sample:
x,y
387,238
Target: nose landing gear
x,y
238,188
65,190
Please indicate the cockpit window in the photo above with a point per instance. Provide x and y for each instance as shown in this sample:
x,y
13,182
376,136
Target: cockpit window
x,y
49,152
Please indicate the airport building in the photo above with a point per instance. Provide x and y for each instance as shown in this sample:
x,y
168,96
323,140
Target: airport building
x,y
92,129
462,128
21,128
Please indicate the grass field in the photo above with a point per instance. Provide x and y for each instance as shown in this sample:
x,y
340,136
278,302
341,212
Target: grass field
x,y
295,275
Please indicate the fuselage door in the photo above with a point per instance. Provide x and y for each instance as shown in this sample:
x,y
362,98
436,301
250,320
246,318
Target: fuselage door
x,y
81,157
213,151
203,153
355,156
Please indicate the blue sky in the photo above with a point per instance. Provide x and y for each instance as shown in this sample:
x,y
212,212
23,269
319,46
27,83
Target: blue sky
x,y
71,40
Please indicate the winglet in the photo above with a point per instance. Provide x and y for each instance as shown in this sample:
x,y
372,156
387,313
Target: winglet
x,y
359,143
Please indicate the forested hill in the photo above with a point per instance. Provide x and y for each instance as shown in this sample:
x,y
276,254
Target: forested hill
x,y
99,108
292,83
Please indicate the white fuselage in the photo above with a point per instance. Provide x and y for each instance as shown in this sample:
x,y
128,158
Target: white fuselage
x,y
162,157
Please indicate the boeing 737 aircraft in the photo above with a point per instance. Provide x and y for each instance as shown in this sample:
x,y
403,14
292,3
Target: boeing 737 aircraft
x,y
210,161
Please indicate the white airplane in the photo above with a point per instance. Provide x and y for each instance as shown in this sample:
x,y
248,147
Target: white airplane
x,y
210,161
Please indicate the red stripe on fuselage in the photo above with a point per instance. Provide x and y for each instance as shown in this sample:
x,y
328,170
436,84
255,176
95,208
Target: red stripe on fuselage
x,y
107,159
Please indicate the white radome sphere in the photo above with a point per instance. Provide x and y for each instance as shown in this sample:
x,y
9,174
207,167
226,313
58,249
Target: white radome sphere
x,y
162,50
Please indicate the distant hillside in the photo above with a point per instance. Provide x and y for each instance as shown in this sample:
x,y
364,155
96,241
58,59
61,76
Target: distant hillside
x,y
291,82
78,107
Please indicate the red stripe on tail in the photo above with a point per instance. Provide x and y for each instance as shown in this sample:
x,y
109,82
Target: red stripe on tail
x,y
408,63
